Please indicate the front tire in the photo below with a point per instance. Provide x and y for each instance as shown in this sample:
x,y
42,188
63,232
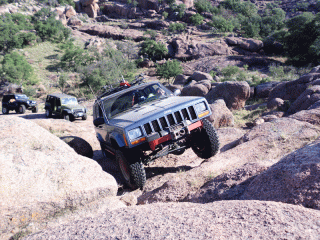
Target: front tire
x,y
205,143
22,109
5,110
66,116
84,117
133,172
48,113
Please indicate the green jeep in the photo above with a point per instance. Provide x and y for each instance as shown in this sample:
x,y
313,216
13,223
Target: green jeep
x,y
64,106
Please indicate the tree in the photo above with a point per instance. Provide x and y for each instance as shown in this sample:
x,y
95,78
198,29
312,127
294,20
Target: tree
x,y
153,50
301,39
169,69
16,69
196,19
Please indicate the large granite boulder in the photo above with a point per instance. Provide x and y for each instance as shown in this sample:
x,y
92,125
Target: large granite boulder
x,y
41,175
221,115
234,94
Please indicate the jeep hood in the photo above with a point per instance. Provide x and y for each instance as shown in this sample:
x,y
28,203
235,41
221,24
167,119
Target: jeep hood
x,y
148,112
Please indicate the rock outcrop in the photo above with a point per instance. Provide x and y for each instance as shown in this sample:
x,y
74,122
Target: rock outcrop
x,y
41,175
294,179
218,220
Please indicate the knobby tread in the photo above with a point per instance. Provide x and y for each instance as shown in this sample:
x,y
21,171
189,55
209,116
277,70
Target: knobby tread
x,y
212,144
138,174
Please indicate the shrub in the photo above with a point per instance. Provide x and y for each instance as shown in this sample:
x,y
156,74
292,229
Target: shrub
x,y
169,69
221,24
16,69
110,68
203,6
165,14
74,58
196,19
177,27
153,50
11,35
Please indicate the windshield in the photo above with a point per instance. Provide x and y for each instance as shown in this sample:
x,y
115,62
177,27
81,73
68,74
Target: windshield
x,y
134,98
21,96
69,101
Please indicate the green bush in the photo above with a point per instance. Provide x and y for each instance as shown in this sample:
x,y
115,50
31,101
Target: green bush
x,y
16,69
177,27
196,19
74,58
221,24
203,6
169,69
301,41
12,36
273,20
153,50
165,14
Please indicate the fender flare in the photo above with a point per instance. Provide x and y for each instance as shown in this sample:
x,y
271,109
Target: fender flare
x,y
118,138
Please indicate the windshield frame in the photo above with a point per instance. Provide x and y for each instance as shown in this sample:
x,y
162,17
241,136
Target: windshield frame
x,y
135,97
68,101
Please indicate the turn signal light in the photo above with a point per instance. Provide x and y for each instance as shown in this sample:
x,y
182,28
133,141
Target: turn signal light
x,y
138,141
203,114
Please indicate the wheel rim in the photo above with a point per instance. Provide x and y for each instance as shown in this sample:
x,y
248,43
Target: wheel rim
x,y
124,169
20,109
4,110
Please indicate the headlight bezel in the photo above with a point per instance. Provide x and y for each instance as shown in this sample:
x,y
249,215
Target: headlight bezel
x,y
200,107
135,133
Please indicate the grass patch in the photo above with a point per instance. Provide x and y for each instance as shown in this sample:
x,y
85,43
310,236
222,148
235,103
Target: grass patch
x,y
241,117
41,57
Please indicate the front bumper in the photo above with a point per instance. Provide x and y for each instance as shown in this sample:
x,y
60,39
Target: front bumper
x,y
175,133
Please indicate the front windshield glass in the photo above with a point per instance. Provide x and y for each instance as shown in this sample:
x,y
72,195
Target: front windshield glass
x,y
136,97
21,96
69,101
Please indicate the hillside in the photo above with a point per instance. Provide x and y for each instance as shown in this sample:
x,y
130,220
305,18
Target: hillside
x,y
263,92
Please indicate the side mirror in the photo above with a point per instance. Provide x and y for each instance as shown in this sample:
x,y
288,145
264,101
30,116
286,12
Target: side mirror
x,y
177,92
98,121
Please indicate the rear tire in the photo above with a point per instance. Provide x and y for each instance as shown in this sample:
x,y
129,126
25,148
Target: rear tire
x,y
22,109
35,109
133,172
205,143
5,110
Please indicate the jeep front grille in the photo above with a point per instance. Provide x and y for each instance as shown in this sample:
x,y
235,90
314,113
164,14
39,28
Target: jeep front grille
x,y
170,120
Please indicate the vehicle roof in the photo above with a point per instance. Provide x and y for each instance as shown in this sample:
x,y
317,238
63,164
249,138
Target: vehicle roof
x,y
60,95
130,89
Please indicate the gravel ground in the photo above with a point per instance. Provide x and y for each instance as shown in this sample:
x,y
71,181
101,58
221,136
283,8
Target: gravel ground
x,y
218,220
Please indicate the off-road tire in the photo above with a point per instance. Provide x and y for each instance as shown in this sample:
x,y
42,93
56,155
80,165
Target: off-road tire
x,y
48,113
205,143
132,171
35,109
84,117
22,109
5,110
66,116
